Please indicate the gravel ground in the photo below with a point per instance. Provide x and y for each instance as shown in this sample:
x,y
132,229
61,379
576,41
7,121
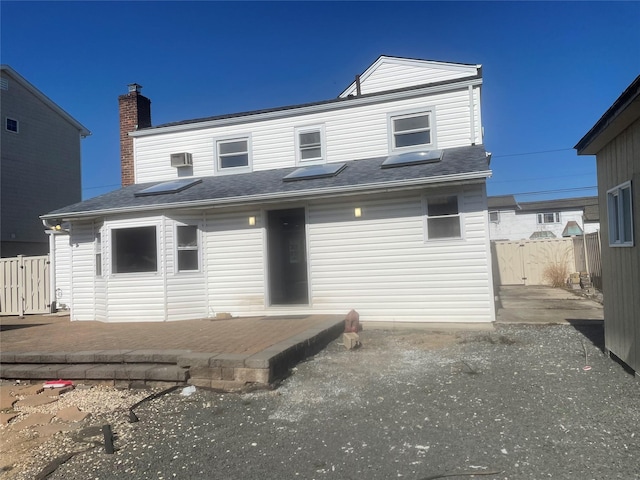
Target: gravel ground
x,y
516,403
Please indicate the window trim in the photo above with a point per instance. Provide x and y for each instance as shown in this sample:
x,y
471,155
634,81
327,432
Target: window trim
x,y
197,248
113,249
6,125
425,214
541,221
615,194
97,254
430,111
231,170
323,152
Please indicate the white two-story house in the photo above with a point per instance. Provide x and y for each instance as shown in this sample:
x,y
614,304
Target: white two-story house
x,y
373,201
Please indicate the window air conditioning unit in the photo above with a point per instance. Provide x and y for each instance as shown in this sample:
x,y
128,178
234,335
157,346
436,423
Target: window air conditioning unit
x,y
181,159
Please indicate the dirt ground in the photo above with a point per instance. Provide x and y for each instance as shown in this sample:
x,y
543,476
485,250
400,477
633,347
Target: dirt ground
x,y
52,427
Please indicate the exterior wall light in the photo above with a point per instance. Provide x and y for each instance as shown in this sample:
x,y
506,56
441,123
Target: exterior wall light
x,y
357,212
252,221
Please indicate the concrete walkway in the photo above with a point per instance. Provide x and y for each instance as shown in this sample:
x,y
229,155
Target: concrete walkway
x,y
545,305
225,354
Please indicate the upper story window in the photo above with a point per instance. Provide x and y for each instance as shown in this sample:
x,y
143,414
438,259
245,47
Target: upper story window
x,y
549,217
310,145
620,209
11,125
188,251
494,217
411,130
443,217
233,155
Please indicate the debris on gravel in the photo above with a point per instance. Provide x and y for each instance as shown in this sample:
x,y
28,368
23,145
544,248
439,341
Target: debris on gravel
x,y
515,403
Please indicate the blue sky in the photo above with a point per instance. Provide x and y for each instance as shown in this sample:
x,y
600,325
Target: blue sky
x,y
550,69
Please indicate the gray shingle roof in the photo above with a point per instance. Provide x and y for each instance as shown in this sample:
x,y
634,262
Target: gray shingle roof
x,y
576,203
256,187
502,202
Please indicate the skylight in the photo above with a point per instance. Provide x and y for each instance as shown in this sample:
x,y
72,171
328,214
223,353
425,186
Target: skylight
x,y
173,186
412,158
315,171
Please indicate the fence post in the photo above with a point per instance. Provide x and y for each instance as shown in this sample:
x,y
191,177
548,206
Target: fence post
x,y
21,286
586,254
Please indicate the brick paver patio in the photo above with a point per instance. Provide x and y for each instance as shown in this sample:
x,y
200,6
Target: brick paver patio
x,y
51,333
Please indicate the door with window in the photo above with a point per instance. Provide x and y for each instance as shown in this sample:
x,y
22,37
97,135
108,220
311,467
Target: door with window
x,y
286,244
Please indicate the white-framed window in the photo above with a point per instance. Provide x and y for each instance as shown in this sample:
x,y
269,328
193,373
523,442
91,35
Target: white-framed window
x,y
620,209
233,155
548,217
408,131
310,145
11,125
187,248
98,254
443,218
494,216
134,249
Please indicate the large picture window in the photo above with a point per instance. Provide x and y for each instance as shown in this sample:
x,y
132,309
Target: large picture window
x,y
620,209
188,248
135,250
443,217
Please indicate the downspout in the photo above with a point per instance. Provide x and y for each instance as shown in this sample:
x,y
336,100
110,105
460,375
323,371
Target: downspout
x,y
472,119
50,230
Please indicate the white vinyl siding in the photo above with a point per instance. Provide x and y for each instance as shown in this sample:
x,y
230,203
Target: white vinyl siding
x,y
235,263
186,292
402,73
380,265
350,134
62,265
83,272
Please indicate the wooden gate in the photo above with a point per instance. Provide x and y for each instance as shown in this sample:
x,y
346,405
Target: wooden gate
x,y
528,262
24,285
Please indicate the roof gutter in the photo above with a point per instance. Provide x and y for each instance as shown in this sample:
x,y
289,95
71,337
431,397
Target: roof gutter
x,y
398,185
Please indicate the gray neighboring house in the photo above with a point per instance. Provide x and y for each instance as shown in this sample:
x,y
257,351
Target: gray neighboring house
x,y
615,141
40,166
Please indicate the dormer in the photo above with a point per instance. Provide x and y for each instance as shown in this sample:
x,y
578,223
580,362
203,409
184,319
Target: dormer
x,y
392,73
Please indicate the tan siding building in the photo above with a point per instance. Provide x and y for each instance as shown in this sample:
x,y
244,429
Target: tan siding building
x,y
615,141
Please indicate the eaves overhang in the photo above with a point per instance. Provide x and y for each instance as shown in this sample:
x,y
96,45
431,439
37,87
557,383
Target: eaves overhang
x,y
624,111
310,108
84,132
280,197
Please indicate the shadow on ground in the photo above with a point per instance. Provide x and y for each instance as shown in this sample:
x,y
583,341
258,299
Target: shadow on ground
x,y
6,328
592,330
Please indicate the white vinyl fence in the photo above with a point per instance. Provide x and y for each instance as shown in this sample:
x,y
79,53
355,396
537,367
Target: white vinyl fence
x,y
24,285
531,262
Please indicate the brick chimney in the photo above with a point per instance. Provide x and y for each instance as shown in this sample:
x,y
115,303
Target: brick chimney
x,y
135,113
